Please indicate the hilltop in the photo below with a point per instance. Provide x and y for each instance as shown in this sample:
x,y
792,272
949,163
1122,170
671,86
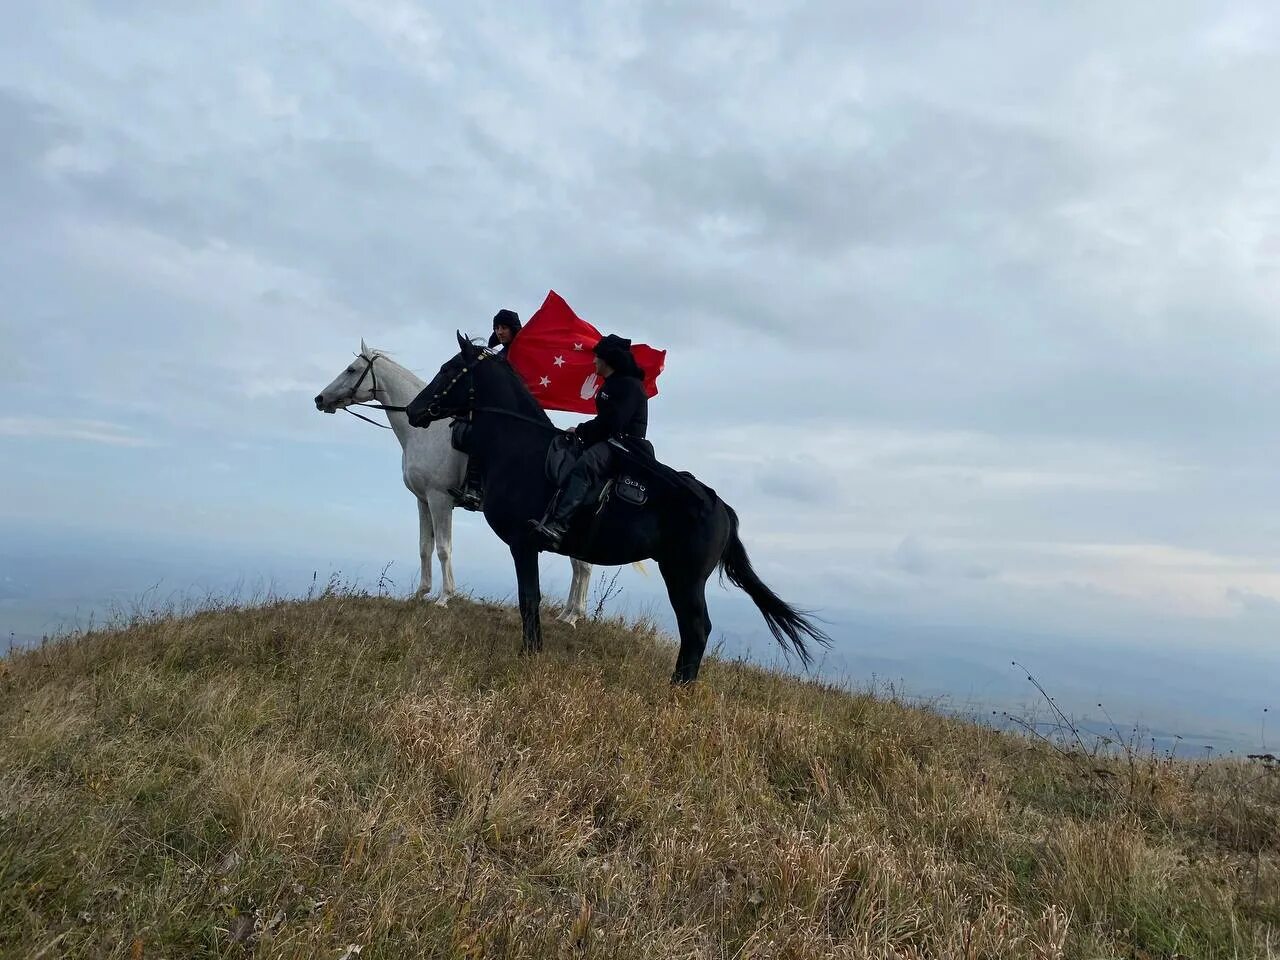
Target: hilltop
x,y
361,776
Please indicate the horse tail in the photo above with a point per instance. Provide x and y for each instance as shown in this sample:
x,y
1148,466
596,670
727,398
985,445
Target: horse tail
x,y
789,626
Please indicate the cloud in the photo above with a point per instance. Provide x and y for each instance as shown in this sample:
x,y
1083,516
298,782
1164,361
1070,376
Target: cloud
x,y
948,306
911,557
1255,604
406,28
263,91
90,431
803,480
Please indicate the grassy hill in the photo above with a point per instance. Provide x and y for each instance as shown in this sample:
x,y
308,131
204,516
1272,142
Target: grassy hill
x,y
361,774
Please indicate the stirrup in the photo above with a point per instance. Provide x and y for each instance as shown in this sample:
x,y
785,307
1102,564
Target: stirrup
x,y
550,531
466,498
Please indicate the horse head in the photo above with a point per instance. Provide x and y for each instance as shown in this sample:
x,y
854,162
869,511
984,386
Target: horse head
x,y
451,393
356,384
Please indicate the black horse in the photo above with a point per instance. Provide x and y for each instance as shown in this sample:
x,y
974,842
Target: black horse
x,y
511,436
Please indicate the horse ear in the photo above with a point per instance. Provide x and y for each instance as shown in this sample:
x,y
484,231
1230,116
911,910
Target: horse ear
x,y
465,345
364,351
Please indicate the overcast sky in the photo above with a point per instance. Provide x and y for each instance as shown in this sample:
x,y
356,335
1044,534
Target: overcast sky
x,y
971,314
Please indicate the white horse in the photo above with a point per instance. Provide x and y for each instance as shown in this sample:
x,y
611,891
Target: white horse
x,y
430,466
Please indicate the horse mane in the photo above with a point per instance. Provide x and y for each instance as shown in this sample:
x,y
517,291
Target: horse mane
x,y
523,395
373,353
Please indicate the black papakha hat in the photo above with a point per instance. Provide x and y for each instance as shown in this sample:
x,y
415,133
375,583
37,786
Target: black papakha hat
x,y
616,352
507,318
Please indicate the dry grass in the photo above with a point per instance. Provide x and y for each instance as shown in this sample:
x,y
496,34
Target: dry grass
x,y
292,780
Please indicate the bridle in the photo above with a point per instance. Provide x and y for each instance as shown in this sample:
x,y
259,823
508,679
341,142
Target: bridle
x,y
433,405
373,374
435,413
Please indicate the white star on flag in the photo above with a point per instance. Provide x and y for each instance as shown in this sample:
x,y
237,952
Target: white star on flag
x,y
577,346
544,382
559,361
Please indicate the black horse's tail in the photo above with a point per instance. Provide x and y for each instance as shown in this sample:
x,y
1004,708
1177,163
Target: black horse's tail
x,y
788,625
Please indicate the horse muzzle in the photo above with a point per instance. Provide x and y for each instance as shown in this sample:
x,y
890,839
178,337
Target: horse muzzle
x,y
424,415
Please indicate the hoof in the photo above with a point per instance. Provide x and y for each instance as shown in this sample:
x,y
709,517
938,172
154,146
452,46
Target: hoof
x,y
442,600
569,618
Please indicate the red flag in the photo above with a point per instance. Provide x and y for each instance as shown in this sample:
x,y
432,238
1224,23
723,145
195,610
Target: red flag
x,y
552,354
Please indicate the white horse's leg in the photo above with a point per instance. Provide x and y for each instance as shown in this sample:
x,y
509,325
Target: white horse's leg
x,y
582,571
441,505
576,603
426,545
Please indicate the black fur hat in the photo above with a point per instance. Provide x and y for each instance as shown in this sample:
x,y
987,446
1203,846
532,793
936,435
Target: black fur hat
x,y
507,318
616,352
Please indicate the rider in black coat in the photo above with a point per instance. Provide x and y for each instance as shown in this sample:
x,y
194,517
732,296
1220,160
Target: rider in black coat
x,y
622,413
470,496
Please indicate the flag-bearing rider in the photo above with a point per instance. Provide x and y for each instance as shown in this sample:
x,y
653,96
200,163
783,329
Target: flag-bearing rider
x,y
470,496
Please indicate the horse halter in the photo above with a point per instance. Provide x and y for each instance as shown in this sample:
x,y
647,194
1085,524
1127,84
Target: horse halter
x,y
433,405
369,372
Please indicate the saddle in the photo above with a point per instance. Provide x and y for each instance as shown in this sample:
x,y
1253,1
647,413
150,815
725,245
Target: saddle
x,y
640,477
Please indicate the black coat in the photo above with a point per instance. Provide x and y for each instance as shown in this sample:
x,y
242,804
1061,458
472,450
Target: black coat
x,y
622,410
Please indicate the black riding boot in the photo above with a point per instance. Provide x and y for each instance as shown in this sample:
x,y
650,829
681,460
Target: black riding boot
x,y
470,496
555,522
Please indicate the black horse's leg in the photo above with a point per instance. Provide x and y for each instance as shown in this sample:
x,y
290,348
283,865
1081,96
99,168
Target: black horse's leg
x,y
688,594
530,593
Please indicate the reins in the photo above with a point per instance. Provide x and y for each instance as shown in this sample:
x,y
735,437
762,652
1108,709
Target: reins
x,y
514,415
372,406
